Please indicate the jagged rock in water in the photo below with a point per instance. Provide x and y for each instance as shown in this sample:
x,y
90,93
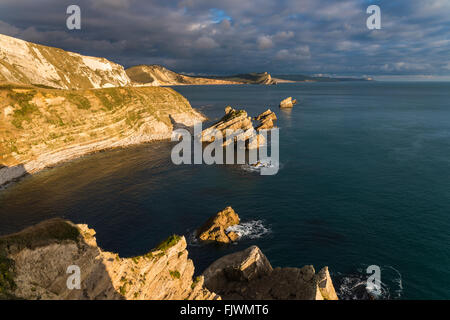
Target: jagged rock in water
x,y
268,114
266,120
288,103
38,258
215,228
265,125
248,275
237,122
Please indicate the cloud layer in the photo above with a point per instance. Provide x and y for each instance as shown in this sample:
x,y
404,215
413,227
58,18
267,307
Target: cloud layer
x,y
224,37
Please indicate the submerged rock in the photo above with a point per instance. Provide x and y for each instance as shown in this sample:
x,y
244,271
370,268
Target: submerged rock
x,y
249,275
288,103
215,228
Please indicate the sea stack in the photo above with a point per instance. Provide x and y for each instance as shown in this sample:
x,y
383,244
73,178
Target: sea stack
x,y
288,103
266,120
215,228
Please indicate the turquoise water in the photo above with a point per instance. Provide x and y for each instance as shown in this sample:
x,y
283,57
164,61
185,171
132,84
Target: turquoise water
x,y
364,180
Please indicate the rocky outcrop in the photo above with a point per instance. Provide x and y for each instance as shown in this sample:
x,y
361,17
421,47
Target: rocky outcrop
x,y
249,275
266,120
37,263
215,228
263,78
41,127
156,75
239,124
288,103
33,64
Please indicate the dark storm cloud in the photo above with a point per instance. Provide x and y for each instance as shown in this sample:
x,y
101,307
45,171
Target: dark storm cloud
x,y
208,36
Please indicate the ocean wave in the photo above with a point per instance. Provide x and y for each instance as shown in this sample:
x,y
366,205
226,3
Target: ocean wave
x,y
252,229
354,286
256,167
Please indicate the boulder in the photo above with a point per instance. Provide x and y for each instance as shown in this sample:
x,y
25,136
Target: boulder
x,y
249,275
215,228
288,103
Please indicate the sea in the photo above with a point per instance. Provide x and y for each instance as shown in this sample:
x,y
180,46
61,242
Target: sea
x,y
364,181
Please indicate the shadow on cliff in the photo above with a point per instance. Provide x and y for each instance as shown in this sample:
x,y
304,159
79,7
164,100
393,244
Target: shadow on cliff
x,y
9,175
96,282
179,125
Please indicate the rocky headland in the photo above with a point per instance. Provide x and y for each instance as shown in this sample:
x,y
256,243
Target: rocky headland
x,y
156,75
249,275
41,127
34,264
38,263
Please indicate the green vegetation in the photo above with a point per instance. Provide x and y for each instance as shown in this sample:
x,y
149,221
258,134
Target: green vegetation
x,y
194,283
174,274
26,108
42,234
80,101
132,117
136,259
7,283
123,289
232,114
168,243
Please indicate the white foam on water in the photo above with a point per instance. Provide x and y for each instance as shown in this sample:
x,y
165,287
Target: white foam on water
x,y
355,287
252,229
256,167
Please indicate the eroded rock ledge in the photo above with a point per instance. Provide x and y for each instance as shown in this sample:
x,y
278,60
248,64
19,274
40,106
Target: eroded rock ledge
x,y
249,275
34,262
34,265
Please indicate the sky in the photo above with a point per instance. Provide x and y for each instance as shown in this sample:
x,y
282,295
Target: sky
x,y
327,37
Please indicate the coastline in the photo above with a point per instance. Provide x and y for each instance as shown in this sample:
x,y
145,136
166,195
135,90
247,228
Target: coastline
x,y
59,130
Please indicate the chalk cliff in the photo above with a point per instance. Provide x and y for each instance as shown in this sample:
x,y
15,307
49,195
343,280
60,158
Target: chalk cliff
x,y
29,63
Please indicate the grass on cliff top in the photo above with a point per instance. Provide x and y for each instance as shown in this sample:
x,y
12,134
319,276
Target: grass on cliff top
x,y
42,234
168,243
27,108
7,284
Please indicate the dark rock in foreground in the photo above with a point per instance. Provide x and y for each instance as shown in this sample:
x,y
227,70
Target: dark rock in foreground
x,y
249,275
